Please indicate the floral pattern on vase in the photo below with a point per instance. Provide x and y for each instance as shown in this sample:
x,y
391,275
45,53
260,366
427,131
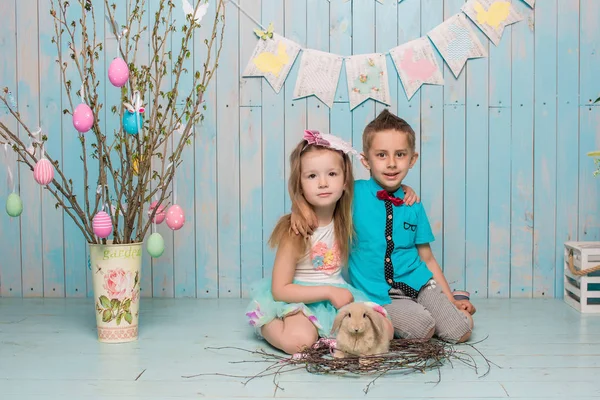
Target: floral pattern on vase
x,y
122,289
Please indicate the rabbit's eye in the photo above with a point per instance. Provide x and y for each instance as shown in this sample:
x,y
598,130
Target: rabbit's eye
x,y
349,315
365,315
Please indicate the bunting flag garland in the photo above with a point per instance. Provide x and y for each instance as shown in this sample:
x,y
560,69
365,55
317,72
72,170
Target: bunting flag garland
x,y
367,78
491,16
318,75
416,62
456,42
416,65
273,59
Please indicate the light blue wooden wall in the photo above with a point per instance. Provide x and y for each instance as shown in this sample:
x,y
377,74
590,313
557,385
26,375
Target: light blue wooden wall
x,y
502,173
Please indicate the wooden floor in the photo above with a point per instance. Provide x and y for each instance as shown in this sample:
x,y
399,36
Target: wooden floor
x,y
48,349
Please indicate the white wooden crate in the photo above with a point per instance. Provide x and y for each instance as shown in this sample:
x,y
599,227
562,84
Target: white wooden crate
x,y
582,292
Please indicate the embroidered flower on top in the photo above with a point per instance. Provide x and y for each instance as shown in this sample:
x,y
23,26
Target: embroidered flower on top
x,y
325,259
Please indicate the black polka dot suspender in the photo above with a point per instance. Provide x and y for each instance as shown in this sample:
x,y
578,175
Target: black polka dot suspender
x,y
388,266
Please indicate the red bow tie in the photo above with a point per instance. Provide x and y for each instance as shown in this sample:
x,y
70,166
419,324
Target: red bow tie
x,y
384,195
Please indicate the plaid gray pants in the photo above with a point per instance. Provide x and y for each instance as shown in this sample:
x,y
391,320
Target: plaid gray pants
x,y
414,318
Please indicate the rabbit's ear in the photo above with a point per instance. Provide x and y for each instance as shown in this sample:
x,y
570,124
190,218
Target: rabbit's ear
x,y
337,322
377,322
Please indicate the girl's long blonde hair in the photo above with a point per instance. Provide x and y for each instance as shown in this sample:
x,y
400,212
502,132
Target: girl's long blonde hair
x,y
342,215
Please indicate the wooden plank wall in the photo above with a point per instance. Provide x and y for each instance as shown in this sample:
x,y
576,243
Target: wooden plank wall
x,y
502,173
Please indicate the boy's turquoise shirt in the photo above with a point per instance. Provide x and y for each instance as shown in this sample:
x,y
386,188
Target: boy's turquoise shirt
x,y
366,263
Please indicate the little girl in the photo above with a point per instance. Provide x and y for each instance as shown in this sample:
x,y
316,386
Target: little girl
x,y
299,303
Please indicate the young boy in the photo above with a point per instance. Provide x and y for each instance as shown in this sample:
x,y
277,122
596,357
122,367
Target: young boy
x,y
390,259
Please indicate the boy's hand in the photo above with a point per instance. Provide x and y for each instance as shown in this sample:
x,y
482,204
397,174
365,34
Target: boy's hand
x,y
303,220
465,305
410,197
339,297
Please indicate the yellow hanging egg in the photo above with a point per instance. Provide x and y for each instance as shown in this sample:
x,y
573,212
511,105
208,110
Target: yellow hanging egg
x,y
135,165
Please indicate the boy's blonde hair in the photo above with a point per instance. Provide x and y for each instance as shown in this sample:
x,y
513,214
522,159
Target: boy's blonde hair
x,y
387,121
342,215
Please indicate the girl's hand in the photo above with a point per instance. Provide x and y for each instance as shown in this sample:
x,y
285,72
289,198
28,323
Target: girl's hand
x,y
465,305
303,220
410,197
300,226
339,297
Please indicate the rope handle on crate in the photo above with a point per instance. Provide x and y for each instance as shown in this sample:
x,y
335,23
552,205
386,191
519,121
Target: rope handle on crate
x,y
577,272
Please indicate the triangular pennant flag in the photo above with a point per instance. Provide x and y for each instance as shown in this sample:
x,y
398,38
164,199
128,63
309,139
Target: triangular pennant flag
x,y
530,3
456,42
491,16
273,59
318,75
367,78
416,65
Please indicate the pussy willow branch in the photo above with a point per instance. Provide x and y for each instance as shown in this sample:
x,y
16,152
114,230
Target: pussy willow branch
x,y
199,91
172,96
133,209
30,160
159,63
87,74
71,29
123,178
157,132
100,138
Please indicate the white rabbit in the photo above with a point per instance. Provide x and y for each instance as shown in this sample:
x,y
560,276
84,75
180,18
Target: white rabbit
x,y
362,330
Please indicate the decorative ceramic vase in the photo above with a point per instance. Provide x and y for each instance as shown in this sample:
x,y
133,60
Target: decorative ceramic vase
x,y
116,272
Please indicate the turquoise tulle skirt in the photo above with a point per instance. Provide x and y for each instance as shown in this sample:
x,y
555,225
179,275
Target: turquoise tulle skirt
x,y
263,308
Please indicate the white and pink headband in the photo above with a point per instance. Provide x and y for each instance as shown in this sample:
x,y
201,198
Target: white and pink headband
x,y
326,140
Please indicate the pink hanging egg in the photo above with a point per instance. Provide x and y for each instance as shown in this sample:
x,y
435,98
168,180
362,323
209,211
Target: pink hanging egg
x,y
118,72
101,224
83,118
43,172
160,215
175,217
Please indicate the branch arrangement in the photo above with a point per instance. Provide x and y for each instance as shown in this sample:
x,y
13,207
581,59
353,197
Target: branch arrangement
x,y
132,168
404,356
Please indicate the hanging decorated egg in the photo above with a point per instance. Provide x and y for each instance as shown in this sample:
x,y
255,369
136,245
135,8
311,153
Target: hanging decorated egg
x,y
14,205
175,217
155,245
135,165
43,172
132,118
118,72
160,215
101,224
129,122
83,118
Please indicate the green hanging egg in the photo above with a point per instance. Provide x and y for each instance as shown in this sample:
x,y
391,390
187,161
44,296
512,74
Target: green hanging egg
x,y
155,245
14,205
